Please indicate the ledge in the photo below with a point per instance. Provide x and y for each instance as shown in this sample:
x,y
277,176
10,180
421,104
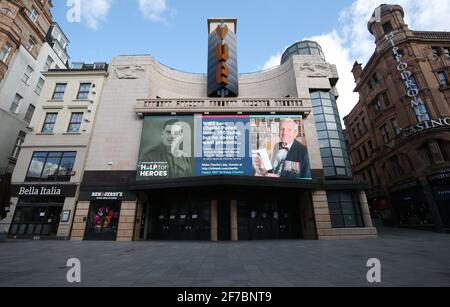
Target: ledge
x,y
223,105
56,107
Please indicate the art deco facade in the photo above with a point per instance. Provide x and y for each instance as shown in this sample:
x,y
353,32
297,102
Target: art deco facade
x,y
156,168
399,132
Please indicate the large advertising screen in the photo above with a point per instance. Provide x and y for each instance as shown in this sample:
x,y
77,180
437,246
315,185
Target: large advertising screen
x,y
190,146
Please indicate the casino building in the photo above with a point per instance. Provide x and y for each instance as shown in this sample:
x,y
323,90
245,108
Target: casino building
x,y
399,132
219,156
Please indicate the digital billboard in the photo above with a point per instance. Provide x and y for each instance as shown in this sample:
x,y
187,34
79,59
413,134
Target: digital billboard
x,y
191,146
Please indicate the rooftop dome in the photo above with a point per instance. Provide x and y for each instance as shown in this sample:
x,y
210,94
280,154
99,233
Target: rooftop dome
x,y
380,11
302,48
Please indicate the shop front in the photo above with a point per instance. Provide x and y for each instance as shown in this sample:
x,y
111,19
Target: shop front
x,y
39,210
411,206
440,185
103,212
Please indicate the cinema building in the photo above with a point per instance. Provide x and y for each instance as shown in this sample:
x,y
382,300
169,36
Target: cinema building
x,y
222,155
399,132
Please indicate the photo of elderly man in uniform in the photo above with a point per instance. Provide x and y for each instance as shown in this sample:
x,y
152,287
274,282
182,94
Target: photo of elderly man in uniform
x,y
290,158
174,148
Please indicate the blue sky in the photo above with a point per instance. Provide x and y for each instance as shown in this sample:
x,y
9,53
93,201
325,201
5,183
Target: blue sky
x,y
175,31
180,39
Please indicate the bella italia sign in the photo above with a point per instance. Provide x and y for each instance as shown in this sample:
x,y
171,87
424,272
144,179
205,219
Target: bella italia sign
x,y
412,89
43,190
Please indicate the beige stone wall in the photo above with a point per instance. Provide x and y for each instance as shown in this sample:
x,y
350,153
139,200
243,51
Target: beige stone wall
x,y
127,221
323,222
64,228
80,220
307,216
137,225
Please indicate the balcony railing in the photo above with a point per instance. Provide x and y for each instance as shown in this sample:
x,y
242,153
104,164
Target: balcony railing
x,y
223,105
432,35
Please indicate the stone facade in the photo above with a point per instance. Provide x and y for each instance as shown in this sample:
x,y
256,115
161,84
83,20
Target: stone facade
x,y
60,139
387,147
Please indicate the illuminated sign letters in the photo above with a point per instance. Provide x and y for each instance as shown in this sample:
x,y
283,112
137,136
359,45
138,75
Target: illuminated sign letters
x,y
412,89
222,61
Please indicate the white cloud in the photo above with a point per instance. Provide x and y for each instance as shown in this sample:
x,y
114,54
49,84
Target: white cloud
x,y
352,41
333,47
153,9
95,11
273,61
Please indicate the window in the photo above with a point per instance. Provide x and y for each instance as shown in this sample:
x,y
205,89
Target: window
x,y
19,142
375,78
39,86
27,75
75,122
49,123
6,11
444,147
51,166
29,114
387,103
387,27
396,127
410,83
385,134
15,104
442,79
58,94
48,64
83,93
33,14
365,151
4,53
447,53
421,111
436,52
377,104
331,138
364,122
395,163
30,45
345,209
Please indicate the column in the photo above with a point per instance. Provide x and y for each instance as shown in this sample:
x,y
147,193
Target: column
x,y
127,221
234,221
214,207
322,214
80,220
137,226
365,209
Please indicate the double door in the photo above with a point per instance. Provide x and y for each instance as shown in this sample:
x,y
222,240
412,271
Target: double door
x,y
180,220
268,220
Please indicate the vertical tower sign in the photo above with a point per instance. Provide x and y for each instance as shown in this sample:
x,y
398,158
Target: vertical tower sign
x,y
222,58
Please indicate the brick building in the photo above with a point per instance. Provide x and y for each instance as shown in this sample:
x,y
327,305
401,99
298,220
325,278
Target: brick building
x,y
399,132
